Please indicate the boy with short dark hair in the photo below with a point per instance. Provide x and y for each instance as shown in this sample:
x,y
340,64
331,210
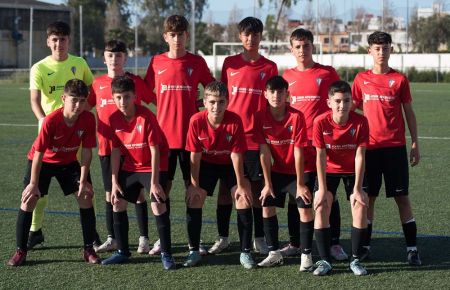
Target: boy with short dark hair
x,y
134,131
245,75
382,93
47,80
175,76
115,56
53,154
281,131
308,88
340,137
217,144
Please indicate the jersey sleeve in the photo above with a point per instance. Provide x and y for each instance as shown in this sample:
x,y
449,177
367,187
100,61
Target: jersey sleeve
x,y
223,76
356,92
35,78
92,98
192,142
405,92
317,135
334,75
274,70
153,137
363,138
258,130
239,144
42,141
205,75
149,78
143,92
300,132
88,140
88,77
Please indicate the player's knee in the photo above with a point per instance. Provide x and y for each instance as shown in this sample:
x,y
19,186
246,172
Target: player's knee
x,y
269,211
120,205
158,208
306,214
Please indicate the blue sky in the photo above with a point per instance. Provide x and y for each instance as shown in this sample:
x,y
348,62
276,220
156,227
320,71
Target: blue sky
x,y
219,10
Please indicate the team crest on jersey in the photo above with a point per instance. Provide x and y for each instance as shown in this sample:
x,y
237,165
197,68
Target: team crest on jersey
x,y
289,128
74,70
189,71
228,137
318,81
391,83
80,133
262,75
352,131
139,128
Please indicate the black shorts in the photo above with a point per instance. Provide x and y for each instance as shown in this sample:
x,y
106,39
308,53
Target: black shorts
x,y
392,164
210,173
283,184
184,157
333,180
68,176
133,182
252,165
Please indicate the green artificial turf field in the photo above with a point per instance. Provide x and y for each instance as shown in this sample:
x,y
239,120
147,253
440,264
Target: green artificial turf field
x,y
58,264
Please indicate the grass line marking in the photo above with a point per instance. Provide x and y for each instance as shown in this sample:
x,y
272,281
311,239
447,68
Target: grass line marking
x,y
178,219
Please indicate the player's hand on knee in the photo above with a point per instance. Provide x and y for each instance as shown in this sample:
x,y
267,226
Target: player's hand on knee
x,y
85,190
304,193
359,196
157,192
243,192
265,193
321,199
31,191
194,195
116,190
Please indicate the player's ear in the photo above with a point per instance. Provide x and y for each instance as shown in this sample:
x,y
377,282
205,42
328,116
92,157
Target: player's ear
x,y
329,102
392,48
265,94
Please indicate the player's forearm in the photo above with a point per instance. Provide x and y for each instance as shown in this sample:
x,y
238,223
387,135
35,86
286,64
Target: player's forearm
x,y
195,168
265,158
86,158
154,150
35,101
36,167
299,159
238,165
411,121
115,164
359,167
321,164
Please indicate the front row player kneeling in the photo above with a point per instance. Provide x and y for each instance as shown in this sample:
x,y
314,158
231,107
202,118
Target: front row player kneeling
x,y
340,137
134,132
53,154
281,132
216,141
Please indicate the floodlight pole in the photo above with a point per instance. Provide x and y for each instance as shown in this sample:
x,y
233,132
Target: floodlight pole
x,y
81,30
135,38
30,57
193,26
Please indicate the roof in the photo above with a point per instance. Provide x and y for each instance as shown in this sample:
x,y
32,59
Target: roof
x,y
27,4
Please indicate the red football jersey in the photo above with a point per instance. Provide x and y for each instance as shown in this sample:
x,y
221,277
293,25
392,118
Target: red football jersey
x,y
175,82
101,97
309,91
381,97
135,137
246,82
59,142
340,141
217,144
282,136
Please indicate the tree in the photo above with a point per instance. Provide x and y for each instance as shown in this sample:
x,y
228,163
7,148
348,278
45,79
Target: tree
x,y
388,23
93,23
155,11
428,34
117,24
